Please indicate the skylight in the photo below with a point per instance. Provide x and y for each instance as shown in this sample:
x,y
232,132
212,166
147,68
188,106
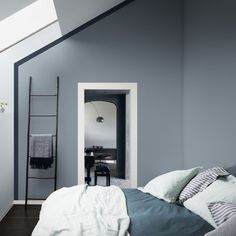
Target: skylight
x,y
26,22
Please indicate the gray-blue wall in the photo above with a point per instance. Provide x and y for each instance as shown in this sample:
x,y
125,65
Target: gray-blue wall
x,y
210,82
140,43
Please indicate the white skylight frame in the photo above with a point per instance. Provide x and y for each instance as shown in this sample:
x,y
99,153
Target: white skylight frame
x,y
26,22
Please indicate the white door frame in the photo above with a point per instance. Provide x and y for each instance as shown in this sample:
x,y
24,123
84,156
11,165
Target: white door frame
x,y
132,88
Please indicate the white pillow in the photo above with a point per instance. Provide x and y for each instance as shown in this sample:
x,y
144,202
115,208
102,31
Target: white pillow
x,y
222,190
168,186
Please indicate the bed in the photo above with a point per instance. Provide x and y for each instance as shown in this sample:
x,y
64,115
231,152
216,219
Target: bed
x,y
150,216
110,211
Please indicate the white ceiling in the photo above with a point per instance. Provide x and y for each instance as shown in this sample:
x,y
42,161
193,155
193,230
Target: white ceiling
x,y
9,7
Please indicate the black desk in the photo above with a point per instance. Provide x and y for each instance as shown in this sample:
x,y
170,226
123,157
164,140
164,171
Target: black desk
x,y
90,161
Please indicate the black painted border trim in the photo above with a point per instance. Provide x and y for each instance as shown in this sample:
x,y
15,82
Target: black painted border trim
x,y
34,54
16,75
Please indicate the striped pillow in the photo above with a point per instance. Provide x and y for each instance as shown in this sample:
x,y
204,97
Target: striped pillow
x,y
221,211
200,182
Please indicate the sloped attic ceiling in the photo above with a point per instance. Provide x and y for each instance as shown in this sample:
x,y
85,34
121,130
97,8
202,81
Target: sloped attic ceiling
x,y
70,14
26,22
73,13
9,7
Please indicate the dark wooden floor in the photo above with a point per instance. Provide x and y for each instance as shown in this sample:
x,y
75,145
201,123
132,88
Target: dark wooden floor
x,y
19,222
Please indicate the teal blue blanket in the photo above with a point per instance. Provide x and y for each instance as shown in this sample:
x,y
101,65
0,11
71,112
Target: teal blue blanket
x,y
150,216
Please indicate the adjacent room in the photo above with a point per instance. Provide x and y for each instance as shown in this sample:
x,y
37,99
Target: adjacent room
x,y
118,117
106,149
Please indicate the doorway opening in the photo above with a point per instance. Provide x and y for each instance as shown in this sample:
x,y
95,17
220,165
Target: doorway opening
x,y
105,138
107,133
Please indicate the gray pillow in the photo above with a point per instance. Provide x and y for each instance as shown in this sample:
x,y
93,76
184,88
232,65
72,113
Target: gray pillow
x,y
200,182
226,229
221,211
232,170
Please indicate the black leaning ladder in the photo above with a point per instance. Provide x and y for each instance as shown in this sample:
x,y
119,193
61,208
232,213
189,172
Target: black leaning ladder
x,y
54,153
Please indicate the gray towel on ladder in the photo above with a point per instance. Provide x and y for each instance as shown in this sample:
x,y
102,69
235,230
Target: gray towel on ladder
x,y
41,151
41,145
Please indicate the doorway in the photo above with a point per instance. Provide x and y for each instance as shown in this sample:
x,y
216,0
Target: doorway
x,y
122,152
105,137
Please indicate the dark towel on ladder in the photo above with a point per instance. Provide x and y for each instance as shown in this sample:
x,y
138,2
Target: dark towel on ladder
x,y
41,153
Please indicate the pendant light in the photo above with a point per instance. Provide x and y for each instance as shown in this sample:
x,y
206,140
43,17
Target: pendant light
x,y
99,118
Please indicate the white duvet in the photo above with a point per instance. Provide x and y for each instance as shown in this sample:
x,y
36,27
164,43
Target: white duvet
x,y
84,211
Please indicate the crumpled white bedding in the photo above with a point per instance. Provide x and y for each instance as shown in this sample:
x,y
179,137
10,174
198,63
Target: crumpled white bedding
x,y
84,211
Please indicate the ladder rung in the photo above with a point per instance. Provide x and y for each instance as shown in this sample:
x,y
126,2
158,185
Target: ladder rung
x,y
42,157
43,95
37,199
31,177
31,135
43,115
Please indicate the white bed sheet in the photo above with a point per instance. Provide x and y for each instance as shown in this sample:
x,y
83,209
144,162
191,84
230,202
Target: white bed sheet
x,y
84,211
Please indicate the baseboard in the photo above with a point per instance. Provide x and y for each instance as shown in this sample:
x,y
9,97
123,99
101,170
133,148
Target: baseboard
x,y
30,202
6,211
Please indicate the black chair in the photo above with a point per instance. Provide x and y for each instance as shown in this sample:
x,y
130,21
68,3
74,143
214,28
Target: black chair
x,y
102,170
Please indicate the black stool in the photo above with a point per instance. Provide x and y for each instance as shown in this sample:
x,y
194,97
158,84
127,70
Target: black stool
x,y
102,170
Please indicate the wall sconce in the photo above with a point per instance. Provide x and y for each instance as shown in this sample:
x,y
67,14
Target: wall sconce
x,y
3,107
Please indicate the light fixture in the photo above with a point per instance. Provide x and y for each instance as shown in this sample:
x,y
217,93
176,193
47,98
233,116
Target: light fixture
x,y
99,118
